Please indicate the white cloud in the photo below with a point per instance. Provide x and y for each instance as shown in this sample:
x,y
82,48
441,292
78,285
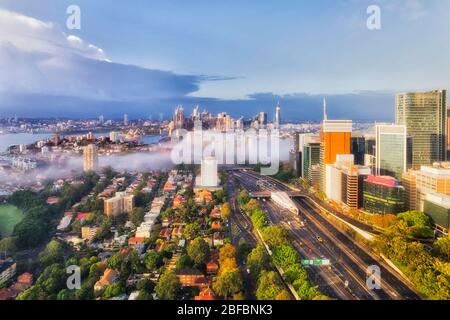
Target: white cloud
x,y
38,58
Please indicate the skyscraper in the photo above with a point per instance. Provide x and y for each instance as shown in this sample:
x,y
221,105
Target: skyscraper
x,y
277,120
196,115
357,148
209,172
90,158
125,119
425,116
262,119
335,139
391,150
178,117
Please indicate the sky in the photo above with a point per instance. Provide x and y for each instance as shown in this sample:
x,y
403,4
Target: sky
x,y
144,57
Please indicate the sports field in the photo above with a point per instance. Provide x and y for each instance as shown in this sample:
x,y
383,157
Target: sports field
x,y
9,217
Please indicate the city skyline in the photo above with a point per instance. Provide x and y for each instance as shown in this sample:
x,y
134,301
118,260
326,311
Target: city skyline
x,y
72,72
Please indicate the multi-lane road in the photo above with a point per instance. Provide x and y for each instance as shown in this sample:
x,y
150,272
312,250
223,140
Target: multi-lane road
x,y
316,237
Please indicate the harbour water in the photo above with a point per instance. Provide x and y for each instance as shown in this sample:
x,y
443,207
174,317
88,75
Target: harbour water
x,y
10,139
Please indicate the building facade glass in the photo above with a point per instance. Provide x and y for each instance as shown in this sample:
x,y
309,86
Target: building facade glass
x,y
425,116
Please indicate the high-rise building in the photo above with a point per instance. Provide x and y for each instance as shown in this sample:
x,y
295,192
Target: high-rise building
x,y
357,148
121,203
352,185
432,179
101,119
90,158
335,139
178,117
208,169
310,157
277,120
125,119
315,175
114,136
409,182
196,115
391,150
333,176
262,119
425,116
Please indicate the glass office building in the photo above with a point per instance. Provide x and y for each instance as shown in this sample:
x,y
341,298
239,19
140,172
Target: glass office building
x,y
391,150
425,116
383,195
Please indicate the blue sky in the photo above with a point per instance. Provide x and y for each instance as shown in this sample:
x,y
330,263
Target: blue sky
x,y
239,56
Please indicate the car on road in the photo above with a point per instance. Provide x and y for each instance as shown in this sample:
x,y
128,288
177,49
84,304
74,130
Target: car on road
x,y
319,238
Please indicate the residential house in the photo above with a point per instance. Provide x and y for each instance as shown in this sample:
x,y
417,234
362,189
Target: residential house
x,y
109,277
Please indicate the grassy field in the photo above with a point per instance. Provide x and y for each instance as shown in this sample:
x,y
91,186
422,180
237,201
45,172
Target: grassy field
x,y
9,217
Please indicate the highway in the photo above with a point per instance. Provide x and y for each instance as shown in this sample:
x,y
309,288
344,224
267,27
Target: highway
x,y
315,237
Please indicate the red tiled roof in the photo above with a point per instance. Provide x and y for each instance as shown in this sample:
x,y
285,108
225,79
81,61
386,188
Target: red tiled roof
x,y
81,216
136,240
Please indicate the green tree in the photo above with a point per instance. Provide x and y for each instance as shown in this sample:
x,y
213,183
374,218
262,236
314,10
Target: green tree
x,y
269,286
442,247
53,253
8,245
113,290
259,219
198,251
228,283
184,262
137,216
275,236
168,286
284,256
418,222
153,260
191,230
257,261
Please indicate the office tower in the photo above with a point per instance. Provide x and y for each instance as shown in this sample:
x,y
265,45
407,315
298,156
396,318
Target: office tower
x,y
196,116
448,133
262,119
114,136
333,174
425,116
433,179
178,117
224,122
357,148
409,182
383,195
295,162
209,172
90,158
277,120
314,175
239,124
89,136
391,150
310,156
352,185
56,139
125,119
101,119
306,152
335,139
